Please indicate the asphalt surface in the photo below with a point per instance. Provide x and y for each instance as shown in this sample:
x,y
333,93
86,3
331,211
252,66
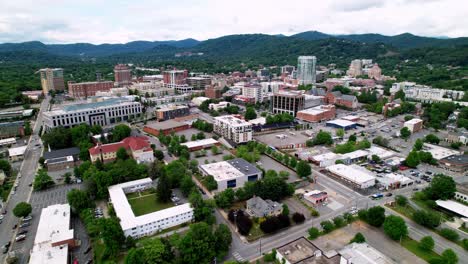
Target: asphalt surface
x,y
25,177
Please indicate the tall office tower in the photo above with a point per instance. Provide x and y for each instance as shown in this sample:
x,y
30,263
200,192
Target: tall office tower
x,y
306,69
52,80
355,68
122,75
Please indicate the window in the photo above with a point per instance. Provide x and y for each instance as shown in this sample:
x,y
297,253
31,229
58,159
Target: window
x,y
252,178
231,183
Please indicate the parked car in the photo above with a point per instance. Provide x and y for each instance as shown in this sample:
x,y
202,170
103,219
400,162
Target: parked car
x,y
415,189
389,194
22,232
20,238
25,224
14,227
1,217
27,218
87,250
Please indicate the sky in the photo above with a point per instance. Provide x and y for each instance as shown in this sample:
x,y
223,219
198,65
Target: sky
x,y
118,21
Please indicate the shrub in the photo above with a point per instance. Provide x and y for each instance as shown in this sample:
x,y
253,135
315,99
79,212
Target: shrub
x,y
270,257
426,218
298,218
244,224
270,225
362,214
283,221
426,243
339,222
449,234
327,226
313,233
465,243
358,238
376,216
401,200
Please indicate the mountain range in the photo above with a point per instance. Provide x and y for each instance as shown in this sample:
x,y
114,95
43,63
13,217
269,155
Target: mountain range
x,y
233,44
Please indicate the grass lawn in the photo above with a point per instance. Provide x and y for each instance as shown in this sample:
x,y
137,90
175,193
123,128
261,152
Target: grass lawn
x,y
423,205
255,232
132,195
147,204
404,210
412,246
464,229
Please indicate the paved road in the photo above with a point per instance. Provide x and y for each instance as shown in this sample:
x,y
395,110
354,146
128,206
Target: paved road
x,y
25,177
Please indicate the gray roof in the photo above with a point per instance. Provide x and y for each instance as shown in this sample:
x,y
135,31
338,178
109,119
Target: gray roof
x,y
169,124
336,93
457,159
260,207
60,153
244,166
348,97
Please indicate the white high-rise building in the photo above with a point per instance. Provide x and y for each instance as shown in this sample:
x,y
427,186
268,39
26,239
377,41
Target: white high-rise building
x,y
233,128
306,69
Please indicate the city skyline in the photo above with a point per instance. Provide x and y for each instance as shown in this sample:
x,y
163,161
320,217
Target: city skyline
x,y
120,22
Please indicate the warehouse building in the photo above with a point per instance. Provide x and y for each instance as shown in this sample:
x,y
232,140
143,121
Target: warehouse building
x,y
340,123
165,127
148,224
232,173
354,174
201,144
317,114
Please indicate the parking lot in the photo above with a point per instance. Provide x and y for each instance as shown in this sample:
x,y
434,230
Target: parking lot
x,y
270,164
40,200
282,138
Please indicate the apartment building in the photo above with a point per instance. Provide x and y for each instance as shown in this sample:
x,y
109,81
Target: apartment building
x,y
85,89
103,113
171,112
414,125
199,82
253,91
52,80
233,128
147,224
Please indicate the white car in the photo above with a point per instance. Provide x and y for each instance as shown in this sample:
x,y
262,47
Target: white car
x,y
1,217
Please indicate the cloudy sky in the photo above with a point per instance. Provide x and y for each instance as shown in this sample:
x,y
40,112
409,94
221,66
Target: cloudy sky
x,y
118,21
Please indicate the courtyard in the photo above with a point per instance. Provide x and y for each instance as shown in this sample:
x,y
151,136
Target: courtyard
x,y
146,202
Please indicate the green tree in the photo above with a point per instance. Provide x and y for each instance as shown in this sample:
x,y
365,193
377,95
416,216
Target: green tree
x,y
122,154
120,132
79,200
42,181
250,113
303,169
352,138
376,158
441,187
413,159
376,216
158,154
313,233
22,209
223,239
327,226
418,145
323,138
5,167
405,133
58,138
163,189
225,198
449,256
358,238
214,150
340,132
112,235
285,210
449,234
187,185
401,200
395,227
198,245
431,138
202,209
426,243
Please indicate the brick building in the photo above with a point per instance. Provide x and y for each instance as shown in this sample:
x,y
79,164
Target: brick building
x,y
122,75
348,101
137,147
213,92
171,112
85,89
317,114
166,127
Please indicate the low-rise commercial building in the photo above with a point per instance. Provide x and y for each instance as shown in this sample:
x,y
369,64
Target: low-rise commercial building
x,y
199,82
455,163
394,181
16,154
232,173
414,125
453,207
101,113
62,159
171,112
201,144
315,197
233,128
213,92
165,127
7,142
317,114
12,129
439,152
302,251
147,224
356,175
218,106
137,147
257,207
54,236
462,192
341,123
362,253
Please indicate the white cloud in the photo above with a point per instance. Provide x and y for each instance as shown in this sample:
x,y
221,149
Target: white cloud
x,y
105,21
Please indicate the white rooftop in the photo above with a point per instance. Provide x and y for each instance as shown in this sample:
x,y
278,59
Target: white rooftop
x,y
453,206
413,121
438,152
362,253
350,117
381,152
352,172
54,226
394,177
341,122
326,156
200,143
356,154
124,211
7,141
232,120
222,170
17,151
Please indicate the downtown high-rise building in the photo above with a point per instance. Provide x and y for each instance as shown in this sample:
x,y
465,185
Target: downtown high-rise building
x,y
122,75
306,69
52,80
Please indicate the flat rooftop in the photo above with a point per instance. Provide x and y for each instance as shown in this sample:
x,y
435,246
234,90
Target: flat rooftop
x,y
231,169
413,121
121,101
124,211
353,173
457,159
341,122
304,252
200,143
453,206
54,226
362,253
438,152
169,124
232,120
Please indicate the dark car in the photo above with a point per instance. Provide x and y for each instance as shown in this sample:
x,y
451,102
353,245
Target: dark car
x,y
415,189
389,194
4,250
14,227
22,232
25,224
89,261
87,250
